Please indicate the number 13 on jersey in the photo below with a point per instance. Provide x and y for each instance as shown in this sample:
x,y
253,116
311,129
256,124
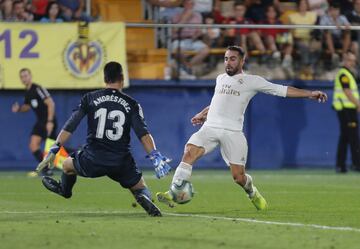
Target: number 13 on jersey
x,y
116,119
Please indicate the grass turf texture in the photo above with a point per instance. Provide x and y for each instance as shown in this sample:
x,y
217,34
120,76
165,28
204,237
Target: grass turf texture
x,y
100,213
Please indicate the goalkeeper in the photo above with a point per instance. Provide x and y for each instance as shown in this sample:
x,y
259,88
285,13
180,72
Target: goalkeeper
x,y
110,116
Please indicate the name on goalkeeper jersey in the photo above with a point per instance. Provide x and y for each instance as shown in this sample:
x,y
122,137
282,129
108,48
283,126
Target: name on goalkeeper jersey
x,y
226,89
112,98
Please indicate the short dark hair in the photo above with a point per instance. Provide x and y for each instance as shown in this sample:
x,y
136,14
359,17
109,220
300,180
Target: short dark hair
x,y
25,69
239,49
334,4
113,72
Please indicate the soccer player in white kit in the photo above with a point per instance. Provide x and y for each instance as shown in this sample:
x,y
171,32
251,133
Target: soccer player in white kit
x,y
223,123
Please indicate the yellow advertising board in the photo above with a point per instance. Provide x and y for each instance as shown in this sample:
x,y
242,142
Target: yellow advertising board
x,y
60,56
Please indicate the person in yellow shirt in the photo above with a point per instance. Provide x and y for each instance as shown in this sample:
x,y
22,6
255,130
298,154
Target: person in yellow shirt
x,y
306,47
347,105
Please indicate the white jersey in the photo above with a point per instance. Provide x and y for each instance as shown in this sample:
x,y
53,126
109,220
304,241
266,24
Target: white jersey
x,y
232,95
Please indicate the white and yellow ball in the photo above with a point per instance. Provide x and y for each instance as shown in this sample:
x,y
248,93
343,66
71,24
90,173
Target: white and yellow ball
x,y
181,191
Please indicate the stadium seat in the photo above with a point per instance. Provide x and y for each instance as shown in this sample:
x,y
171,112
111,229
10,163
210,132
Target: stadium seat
x,y
120,10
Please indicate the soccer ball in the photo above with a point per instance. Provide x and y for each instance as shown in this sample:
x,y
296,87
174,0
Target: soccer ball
x,y
181,191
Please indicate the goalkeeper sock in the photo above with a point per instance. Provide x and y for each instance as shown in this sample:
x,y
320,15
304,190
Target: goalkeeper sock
x,y
143,197
38,155
144,191
67,183
249,187
182,172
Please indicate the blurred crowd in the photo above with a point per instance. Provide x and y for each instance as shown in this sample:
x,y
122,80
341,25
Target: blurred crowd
x,y
43,11
301,53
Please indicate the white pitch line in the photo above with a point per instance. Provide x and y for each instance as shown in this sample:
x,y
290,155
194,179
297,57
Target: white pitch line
x,y
267,222
291,224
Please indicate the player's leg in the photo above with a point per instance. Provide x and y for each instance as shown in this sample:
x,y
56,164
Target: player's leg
x,y
38,134
234,150
199,144
246,182
34,146
142,196
68,179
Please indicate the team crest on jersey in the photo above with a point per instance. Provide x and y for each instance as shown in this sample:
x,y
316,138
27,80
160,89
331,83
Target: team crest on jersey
x,y
84,57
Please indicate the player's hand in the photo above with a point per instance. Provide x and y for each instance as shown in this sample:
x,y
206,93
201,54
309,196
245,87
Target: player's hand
x,y
49,159
15,107
320,96
160,162
198,119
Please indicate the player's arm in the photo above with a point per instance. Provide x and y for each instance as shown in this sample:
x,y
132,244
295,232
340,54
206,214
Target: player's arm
x,y
294,92
51,114
148,143
200,118
70,126
63,137
20,108
49,102
159,161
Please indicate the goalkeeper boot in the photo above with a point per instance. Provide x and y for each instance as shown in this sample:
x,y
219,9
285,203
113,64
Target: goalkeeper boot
x,y
258,201
166,198
54,186
148,205
46,172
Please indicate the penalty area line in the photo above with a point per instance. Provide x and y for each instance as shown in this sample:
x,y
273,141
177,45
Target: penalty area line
x,y
200,216
352,229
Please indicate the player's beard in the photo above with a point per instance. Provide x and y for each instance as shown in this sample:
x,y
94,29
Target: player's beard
x,y
231,71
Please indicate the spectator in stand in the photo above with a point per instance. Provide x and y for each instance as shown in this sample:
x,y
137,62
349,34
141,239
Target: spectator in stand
x,y
211,36
337,39
354,18
73,10
204,7
319,6
168,8
256,9
39,8
307,48
28,6
218,15
188,39
6,10
243,36
52,13
345,6
19,14
274,39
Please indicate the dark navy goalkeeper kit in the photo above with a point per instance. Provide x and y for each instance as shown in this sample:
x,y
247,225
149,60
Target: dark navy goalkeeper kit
x,y
110,116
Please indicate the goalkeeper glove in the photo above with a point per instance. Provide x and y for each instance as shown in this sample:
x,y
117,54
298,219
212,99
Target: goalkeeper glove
x,y
160,163
49,159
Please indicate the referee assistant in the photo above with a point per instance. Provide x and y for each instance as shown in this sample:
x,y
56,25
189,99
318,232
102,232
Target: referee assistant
x,y
38,99
347,105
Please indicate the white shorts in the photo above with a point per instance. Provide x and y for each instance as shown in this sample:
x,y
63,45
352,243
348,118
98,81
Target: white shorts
x,y
233,144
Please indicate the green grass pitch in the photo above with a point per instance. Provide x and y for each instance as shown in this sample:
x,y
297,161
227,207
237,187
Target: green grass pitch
x,y
307,209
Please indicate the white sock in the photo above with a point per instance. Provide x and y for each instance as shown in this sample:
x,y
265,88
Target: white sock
x,y
249,187
182,172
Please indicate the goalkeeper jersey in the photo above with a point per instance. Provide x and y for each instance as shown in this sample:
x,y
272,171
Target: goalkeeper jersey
x,y
110,116
232,95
